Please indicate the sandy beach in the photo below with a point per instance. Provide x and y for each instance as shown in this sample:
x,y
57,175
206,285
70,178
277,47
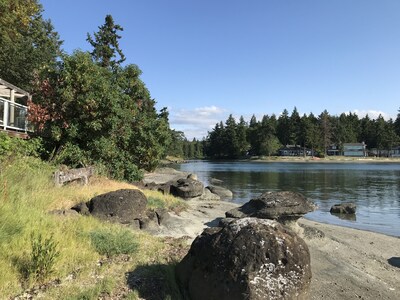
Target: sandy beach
x,y
346,263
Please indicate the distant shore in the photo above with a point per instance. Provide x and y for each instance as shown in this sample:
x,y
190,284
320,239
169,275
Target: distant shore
x,y
329,159
300,159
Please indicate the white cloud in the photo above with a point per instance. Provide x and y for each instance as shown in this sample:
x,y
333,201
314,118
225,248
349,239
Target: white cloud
x,y
197,122
372,114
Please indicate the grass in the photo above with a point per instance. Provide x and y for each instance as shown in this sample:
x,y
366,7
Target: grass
x,y
27,194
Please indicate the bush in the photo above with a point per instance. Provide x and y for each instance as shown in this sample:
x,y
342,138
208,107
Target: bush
x,y
110,242
19,147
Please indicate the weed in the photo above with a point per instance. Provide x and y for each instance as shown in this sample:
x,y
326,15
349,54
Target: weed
x,y
107,242
43,256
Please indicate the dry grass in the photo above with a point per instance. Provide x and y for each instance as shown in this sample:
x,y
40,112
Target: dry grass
x,y
27,194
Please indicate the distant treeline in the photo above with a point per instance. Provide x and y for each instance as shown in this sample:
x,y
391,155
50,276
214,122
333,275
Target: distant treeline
x,y
235,139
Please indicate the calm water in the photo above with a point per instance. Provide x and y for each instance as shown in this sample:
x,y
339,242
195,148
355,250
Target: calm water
x,y
374,188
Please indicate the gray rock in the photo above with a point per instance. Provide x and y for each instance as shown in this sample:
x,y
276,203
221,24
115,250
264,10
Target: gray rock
x,y
216,181
149,222
344,208
249,258
284,207
224,193
187,188
81,208
121,206
207,195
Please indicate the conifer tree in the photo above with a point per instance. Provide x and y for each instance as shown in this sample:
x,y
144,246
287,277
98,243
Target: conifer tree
x,y
106,44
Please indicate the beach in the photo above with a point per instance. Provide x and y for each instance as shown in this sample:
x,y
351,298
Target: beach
x,y
346,263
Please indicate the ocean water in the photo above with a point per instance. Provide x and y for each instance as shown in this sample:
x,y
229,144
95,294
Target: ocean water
x,y
373,187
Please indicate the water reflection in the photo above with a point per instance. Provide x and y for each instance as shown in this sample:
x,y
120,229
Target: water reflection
x,y
374,188
347,217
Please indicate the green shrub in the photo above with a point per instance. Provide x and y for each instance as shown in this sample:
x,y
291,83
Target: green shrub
x,y
19,147
43,256
113,242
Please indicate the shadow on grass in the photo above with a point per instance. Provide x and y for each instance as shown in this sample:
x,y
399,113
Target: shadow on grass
x,y
154,282
394,261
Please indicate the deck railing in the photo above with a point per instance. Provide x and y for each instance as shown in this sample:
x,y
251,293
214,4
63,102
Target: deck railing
x,y
13,116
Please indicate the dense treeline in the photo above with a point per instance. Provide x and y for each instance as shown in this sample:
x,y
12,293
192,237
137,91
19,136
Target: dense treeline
x,y
181,147
234,139
87,108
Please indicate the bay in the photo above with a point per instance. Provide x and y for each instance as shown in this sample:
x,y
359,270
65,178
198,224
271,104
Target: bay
x,y
373,187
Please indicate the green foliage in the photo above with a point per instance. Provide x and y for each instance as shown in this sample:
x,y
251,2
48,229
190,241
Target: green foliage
x,y
111,242
104,117
28,43
105,44
43,257
19,147
265,137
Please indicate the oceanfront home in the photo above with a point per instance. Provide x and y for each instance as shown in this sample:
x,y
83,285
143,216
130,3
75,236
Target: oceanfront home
x,y
13,109
295,150
355,149
395,152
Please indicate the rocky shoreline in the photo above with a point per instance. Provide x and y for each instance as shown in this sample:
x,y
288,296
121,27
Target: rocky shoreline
x,y
345,263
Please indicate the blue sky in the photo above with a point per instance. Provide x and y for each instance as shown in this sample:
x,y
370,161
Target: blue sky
x,y
206,59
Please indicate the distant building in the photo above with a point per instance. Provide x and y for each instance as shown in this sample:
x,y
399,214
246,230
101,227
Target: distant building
x,y
333,150
355,149
395,152
295,150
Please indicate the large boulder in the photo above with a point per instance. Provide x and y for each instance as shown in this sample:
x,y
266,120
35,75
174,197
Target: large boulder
x,y
284,207
224,193
344,208
249,258
123,206
187,188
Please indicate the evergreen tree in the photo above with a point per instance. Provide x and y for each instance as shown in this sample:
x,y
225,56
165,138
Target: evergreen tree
x,y
397,124
326,130
105,44
295,127
283,129
253,136
241,133
232,145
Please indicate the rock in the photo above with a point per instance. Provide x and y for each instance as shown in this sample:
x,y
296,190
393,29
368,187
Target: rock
x,y
249,258
220,191
149,222
121,206
162,215
164,188
164,175
344,208
81,208
216,181
225,221
284,207
187,188
192,176
207,196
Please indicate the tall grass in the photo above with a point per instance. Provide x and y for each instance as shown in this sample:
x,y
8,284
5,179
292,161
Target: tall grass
x,y
27,194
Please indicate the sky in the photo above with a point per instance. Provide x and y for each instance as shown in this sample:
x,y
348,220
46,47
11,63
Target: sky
x,y
206,59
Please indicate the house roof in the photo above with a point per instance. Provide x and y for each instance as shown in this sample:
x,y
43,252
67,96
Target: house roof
x,y
6,87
